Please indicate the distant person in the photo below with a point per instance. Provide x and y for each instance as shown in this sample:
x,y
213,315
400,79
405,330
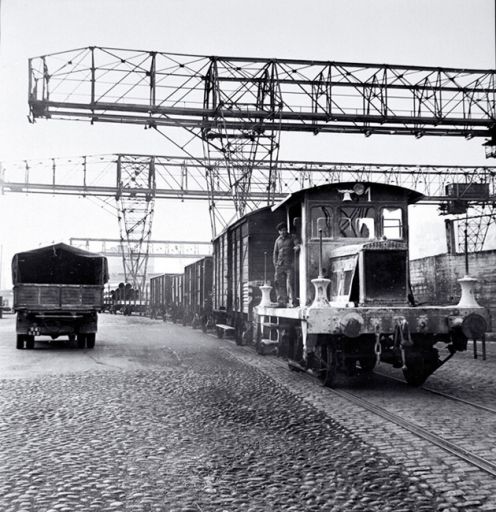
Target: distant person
x,y
283,258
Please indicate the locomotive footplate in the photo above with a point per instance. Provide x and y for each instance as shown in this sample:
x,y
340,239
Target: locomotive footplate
x,y
352,322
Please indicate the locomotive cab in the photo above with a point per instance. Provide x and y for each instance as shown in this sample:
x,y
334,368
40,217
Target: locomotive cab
x,y
363,231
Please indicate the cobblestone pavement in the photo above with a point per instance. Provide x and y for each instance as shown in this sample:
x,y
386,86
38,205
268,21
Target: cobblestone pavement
x,y
461,485
163,418
204,432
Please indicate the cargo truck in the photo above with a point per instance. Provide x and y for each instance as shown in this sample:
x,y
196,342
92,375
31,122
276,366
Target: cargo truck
x,y
58,291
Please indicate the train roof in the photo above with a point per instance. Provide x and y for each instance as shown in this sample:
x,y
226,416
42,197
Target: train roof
x,y
243,218
412,195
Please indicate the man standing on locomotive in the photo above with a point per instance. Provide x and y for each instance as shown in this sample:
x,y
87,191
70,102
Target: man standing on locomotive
x,y
283,258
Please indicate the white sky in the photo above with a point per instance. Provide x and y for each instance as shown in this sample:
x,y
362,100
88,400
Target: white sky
x,y
455,33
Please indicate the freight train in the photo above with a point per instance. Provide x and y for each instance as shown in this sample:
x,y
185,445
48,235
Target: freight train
x,y
353,304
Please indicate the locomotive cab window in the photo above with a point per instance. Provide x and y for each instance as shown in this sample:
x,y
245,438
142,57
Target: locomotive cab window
x,y
357,222
321,219
392,223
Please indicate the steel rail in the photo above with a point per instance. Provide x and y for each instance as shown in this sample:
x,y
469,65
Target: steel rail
x,y
467,456
458,451
443,394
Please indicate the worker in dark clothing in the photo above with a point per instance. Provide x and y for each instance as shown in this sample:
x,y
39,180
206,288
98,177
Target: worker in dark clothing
x,y
283,257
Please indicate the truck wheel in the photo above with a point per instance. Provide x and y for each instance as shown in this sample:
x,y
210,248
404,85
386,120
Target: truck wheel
x,y
81,340
90,340
20,341
29,342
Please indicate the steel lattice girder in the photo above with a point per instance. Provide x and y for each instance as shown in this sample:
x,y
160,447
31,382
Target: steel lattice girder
x,y
476,225
185,178
112,247
249,94
135,215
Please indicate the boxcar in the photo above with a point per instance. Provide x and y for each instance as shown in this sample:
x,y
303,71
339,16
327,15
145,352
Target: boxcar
x,y
242,263
161,293
177,298
197,290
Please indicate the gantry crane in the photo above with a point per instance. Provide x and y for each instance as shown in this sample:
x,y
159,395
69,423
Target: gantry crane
x,y
238,107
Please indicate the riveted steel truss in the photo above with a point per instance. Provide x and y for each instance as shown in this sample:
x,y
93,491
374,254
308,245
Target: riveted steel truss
x,y
250,94
472,229
112,247
135,198
173,177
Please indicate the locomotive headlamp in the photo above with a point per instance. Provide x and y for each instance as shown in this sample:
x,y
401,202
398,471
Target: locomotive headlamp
x,y
359,189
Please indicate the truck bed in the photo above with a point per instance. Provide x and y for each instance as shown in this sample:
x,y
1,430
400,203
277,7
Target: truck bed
x,y
58,297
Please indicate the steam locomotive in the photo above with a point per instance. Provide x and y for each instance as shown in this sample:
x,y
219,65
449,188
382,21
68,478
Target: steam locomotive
x,y
354,305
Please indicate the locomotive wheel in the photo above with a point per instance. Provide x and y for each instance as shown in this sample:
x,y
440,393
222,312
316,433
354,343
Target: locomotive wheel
x,y
20,341
81,340
90,340
29,342
327,369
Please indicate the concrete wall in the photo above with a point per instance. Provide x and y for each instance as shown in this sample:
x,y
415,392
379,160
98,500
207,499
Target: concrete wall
x,y
434,279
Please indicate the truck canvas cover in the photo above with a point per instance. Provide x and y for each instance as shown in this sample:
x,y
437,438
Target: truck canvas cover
x,y
59,264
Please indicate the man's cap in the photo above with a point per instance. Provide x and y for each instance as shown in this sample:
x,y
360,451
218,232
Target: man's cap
x,y
281,225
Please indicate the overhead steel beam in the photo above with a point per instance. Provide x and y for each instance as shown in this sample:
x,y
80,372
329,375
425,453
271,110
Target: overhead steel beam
x,y
156,248
184,178
247,94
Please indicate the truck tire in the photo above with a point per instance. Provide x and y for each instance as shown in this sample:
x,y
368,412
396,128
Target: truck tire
x,y
90,340
29,342
20,341
81,340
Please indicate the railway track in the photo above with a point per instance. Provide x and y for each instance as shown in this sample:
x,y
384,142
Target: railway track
x,y
441,393
419,431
